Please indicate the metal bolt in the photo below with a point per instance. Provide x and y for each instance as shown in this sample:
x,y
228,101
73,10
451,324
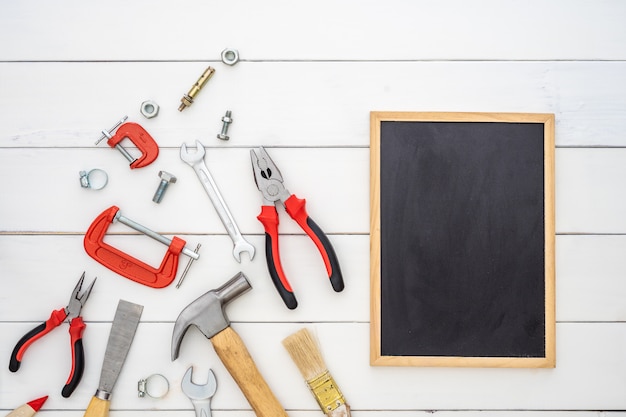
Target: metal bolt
x,y
166,180
227,121
188,98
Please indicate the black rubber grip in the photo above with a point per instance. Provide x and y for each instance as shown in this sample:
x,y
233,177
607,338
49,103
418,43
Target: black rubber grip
x,y
15,363
77,371
288,298
336,278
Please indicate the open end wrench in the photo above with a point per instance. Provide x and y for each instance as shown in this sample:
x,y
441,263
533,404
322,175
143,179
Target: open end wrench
x,y
196,161
200,395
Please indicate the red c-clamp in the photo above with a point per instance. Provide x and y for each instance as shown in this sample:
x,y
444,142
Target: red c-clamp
x,y
138,136
126,265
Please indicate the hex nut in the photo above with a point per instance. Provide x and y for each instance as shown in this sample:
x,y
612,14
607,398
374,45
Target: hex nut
x,y
230,56
149,109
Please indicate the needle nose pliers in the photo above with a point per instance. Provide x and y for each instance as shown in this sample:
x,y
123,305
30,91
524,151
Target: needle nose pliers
x,y
71,313
269,181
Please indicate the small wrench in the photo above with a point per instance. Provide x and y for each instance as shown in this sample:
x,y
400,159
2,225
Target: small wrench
x,y
196,161
200,395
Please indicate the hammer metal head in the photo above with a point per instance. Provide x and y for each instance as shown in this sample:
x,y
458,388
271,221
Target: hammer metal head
x,y
207,312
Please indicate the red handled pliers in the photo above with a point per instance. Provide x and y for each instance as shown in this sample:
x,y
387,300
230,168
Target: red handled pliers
x,y
71,313
270,183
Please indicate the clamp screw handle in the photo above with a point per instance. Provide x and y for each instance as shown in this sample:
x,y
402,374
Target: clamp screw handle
x,y
227,120
108,134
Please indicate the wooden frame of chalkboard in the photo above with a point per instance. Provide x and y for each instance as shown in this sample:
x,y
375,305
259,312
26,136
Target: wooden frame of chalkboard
x,y
462,239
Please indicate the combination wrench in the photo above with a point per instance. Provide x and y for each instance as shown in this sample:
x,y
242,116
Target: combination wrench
x,y
196,161
200,395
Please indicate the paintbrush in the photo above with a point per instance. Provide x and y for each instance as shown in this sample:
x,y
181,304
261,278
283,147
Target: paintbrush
x,y
304,351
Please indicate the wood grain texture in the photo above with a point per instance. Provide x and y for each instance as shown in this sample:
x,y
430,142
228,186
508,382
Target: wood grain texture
x,y
236,358
97,408
351,32
588,99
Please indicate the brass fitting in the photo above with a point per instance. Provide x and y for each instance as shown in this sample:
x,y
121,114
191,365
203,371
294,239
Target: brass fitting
x,y
187,99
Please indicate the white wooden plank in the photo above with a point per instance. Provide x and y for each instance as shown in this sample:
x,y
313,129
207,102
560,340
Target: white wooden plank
x,y
333,181
590,197
300,104
587,377
355,413
45,269
589,194
590,278
279,30
590,284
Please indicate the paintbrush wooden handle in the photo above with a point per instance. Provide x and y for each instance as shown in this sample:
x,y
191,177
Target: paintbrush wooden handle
x,y
236,358
97,408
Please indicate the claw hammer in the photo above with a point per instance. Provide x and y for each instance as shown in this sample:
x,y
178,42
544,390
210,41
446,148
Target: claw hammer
x,y
208,315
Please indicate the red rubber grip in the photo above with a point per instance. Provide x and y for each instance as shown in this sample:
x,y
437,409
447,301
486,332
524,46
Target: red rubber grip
x,y
77,326
56,318
296,208
269,219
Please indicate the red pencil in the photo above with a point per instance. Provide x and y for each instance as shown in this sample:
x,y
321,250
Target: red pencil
x,y
28,409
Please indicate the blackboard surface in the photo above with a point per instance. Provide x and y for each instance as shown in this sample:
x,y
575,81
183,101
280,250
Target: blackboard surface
x,y
465,275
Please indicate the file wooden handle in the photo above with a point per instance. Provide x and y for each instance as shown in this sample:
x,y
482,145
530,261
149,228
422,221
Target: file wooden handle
x,y
97,408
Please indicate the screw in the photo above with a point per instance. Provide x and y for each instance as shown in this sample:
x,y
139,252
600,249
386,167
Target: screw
x,y
166,180
227,121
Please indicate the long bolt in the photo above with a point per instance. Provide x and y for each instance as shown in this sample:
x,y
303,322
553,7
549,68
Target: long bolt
x,y
166,180
187,99
154,235
227,121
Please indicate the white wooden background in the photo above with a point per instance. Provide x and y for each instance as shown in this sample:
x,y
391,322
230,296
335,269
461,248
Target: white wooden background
x,y
309,75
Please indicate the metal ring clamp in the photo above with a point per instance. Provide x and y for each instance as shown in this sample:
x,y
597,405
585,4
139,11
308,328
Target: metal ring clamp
x,y
96,179
144,386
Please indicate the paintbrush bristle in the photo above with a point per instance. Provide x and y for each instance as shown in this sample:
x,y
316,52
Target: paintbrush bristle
x,y
304,351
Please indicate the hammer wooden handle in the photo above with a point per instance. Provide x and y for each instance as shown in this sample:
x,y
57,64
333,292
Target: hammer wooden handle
x,y
235,356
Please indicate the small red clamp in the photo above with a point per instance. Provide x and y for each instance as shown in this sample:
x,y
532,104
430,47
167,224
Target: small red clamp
x,y
138,136
126,265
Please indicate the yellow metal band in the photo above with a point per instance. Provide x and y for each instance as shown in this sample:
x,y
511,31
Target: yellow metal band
x,y
326,392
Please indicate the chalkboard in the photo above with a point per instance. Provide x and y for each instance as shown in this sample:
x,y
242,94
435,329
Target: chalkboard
x,y
462,239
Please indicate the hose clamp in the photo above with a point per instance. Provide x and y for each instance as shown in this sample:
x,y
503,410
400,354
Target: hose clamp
x,y
154,386
96,179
